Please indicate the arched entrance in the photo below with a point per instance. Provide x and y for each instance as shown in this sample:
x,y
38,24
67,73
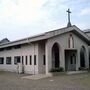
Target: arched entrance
x,y
89,58
55,56
82,56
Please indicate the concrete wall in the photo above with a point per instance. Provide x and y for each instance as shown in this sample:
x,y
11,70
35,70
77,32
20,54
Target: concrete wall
x,y
78,44
41,53
62,40
25,50
63,43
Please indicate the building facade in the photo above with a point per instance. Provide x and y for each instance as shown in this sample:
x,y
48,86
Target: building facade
x,y
66,47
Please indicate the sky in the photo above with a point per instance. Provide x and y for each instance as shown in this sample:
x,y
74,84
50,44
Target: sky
x,y
24,18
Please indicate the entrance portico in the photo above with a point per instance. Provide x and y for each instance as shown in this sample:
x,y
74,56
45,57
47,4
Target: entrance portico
x,y
70,59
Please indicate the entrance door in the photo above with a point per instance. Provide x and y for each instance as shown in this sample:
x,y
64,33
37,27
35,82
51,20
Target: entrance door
x,y
70,60
72,63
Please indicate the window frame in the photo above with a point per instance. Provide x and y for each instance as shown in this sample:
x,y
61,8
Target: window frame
x,y
30,59
26,60
35,61
44,60
2,60
16,61
7,59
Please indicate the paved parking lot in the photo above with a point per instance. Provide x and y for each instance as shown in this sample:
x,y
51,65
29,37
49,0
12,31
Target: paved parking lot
x,y
13,81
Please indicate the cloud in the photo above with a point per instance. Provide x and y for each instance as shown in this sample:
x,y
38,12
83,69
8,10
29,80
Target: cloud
x,y
85,11
21,10
30,11
35,16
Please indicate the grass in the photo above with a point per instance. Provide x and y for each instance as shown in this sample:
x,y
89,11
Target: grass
x,y
85,80
58,73
3,72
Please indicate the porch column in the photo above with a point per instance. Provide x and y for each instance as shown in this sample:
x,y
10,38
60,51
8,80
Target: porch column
x,y
78,60
48,57
62,58
87,58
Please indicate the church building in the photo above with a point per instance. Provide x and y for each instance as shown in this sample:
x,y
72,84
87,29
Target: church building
x,y
67,47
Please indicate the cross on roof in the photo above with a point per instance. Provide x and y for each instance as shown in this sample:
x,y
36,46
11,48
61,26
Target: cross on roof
x,y
69,23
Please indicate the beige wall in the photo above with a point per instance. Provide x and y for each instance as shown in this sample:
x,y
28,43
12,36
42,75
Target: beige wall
x,y
78,44
25,50
62,40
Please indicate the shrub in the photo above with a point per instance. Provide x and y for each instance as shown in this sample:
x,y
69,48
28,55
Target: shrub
x,y
83,68
60,69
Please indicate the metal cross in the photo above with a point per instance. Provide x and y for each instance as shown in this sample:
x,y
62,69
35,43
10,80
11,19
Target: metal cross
x,y
69,23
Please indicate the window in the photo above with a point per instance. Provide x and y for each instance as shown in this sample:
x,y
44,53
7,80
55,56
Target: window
x,y
74,58
8,48
82,56
1,60
8,60
26,60
44,60
1,49
30,60
71,60
17,46
34,59
71,41
16,59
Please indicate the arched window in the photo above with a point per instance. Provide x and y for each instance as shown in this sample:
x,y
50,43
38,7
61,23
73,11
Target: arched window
x,y
82,56
55,56
89,57
71,41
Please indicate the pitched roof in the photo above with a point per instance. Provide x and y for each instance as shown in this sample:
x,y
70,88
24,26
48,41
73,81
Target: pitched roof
x,y
47,35
87,31
5,40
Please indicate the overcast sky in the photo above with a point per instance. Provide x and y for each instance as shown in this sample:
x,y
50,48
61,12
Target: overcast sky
x,y
24,18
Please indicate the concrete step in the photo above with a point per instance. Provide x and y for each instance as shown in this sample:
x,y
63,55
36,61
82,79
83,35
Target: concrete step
x,y
36,77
